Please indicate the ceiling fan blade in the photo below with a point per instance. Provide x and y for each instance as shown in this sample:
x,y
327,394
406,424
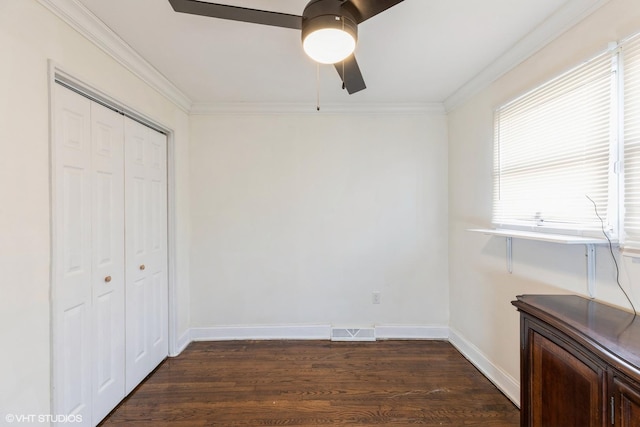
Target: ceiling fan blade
x,y
236,13
350,74
365,9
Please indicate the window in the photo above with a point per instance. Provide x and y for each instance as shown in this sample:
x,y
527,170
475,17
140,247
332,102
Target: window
x,y
631,124
563,141
553,148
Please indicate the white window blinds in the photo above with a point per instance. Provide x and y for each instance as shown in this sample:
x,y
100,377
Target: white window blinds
x,y
631,58
552,149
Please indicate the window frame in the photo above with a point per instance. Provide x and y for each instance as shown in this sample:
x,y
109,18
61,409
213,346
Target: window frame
x,y
613,222
630,246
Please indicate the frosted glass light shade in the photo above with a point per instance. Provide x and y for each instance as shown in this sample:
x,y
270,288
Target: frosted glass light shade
x,y
329,45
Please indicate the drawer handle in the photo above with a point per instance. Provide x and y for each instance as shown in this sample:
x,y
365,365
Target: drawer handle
x,y
142,267
107,279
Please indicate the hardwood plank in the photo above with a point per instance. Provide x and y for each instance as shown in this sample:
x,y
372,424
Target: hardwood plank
x,y
314,383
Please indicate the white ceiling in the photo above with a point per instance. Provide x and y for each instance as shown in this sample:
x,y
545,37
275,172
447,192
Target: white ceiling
x,y
419,51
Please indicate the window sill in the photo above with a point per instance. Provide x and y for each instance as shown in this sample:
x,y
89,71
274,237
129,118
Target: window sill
x,y
589,243
564,239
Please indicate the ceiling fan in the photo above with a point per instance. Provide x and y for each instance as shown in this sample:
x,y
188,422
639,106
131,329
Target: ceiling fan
x,y
329,28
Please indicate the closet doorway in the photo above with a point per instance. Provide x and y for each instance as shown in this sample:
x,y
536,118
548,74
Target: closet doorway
x,y
109,257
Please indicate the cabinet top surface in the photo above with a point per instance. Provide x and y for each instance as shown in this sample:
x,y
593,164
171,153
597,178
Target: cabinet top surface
x,y
616,330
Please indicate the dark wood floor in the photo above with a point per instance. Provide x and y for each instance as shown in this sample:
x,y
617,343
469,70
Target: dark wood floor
x,y
316,383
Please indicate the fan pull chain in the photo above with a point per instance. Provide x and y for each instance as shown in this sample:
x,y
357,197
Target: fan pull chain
x,y
344,77
317,86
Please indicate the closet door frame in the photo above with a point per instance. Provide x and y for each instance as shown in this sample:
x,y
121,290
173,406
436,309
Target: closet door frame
x,y
58,75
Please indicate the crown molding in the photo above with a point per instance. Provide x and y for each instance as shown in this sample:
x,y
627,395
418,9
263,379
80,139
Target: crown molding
x,y
432,109
87,24
562,20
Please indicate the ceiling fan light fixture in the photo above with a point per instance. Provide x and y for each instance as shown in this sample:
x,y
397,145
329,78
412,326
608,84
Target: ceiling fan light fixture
x,y
329,28
328,39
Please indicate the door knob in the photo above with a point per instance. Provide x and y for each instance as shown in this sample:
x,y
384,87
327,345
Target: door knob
x,y
142,267
107,279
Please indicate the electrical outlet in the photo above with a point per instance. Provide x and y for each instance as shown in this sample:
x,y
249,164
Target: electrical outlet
x,y
375,297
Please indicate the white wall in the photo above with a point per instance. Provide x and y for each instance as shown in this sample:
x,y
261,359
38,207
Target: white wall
x,y
29,36
297,219
480,287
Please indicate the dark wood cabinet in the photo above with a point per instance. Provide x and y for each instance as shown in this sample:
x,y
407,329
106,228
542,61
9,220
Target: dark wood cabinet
x,y
627,395
580,363
560,374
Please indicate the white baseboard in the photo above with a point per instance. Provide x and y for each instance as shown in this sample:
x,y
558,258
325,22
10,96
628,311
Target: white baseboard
x,y
505,382
411,332
228,333
183,341
306,332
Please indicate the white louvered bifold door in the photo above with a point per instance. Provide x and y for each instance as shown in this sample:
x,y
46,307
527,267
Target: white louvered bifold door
x,y
88,292
109,195
107,212
71,293
146,250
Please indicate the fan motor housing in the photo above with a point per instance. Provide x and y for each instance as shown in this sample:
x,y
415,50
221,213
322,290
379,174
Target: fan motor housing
x,y
319,14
